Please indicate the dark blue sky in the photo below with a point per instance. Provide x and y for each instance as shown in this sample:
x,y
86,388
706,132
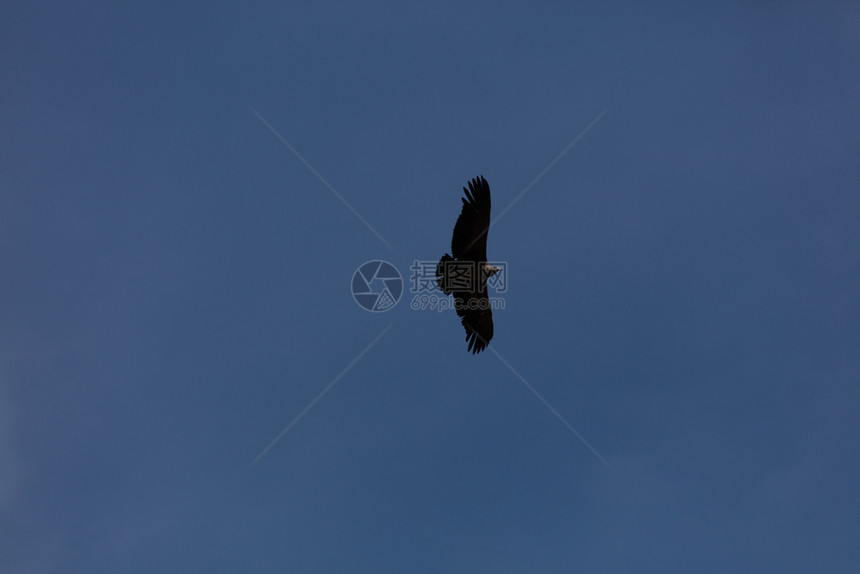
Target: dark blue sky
x,y
683,288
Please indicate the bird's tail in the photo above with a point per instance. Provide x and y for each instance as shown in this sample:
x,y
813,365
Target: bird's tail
x,y
442,271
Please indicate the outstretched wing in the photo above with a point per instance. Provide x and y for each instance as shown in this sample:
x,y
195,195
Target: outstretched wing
x,y
477,318
469,242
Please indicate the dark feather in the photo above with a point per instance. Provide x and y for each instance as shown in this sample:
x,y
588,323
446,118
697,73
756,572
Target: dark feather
x,y
469,244
477,319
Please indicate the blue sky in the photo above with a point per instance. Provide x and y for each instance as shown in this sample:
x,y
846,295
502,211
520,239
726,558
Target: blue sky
x,y
683,288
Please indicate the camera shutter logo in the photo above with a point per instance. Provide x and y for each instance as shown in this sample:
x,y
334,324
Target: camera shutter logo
x,y
377,286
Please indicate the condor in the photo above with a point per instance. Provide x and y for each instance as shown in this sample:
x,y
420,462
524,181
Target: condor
x,y
465,274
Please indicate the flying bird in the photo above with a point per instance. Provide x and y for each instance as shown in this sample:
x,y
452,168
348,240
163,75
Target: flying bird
x,y
465,273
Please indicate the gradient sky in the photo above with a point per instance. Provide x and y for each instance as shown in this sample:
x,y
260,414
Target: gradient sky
x,y
683,288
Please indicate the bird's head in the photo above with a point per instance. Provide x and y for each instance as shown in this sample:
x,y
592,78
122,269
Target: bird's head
x,y
489,270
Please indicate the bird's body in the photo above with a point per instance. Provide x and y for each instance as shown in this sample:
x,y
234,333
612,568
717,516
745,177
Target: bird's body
x,y
465,274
